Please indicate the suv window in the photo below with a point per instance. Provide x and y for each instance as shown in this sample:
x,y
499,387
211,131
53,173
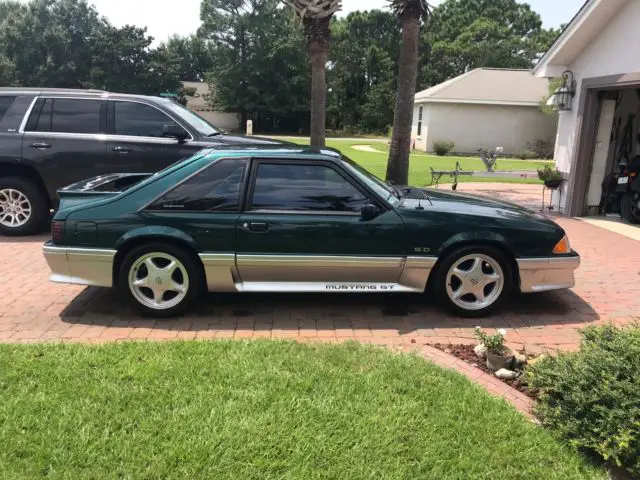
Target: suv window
x,y
5,103
140,120
216,188
68,115
281,186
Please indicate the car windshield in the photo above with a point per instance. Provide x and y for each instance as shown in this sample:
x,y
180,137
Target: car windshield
x,y
373,182
193,119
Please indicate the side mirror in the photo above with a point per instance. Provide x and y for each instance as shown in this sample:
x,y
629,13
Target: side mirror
x,y
174,131
369,212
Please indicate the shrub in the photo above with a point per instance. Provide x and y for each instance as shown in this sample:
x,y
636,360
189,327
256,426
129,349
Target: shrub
x,y
548,174
525,154
592,397
493,343
542,148
442,147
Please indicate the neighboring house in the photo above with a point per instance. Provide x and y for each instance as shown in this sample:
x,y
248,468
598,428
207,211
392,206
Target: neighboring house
x,y
483,108
599,48
198,103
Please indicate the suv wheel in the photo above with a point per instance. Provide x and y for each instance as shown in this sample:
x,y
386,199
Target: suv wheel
x,y
160,280
473,281
23,207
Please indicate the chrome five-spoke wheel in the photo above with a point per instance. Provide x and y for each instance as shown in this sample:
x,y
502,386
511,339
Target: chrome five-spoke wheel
x,y
160,279
15,208
475,281
472,281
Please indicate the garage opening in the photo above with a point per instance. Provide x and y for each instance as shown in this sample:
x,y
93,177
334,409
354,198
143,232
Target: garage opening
x,y
613,183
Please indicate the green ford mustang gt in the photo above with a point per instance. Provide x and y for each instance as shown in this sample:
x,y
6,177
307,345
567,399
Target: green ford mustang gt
x,y
297,220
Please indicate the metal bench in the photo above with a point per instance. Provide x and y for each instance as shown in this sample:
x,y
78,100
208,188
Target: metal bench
x,y
436,175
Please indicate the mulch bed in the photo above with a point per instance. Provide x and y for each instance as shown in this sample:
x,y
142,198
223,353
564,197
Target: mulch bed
x,y
467,355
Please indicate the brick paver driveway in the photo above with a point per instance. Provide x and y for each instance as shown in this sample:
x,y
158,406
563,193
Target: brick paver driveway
x,y
608,286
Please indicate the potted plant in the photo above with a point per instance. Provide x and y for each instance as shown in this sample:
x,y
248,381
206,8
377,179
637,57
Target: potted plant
x,y
551,177
498,355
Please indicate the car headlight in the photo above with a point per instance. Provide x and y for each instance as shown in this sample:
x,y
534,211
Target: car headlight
x,y
562,246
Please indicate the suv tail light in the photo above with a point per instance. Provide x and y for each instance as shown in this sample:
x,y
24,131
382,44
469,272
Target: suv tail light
x,y
57,231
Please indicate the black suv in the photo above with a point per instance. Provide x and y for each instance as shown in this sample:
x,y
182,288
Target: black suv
x,y
50,138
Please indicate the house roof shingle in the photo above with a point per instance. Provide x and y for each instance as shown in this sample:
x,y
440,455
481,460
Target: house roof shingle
x,y
491,86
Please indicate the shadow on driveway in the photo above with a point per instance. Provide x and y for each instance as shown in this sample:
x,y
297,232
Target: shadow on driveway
x,y
405,313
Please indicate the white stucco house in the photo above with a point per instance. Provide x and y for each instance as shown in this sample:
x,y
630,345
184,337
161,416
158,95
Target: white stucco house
x,y
599,54
198,103
483,108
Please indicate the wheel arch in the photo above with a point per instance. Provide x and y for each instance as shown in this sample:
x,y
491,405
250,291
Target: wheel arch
x,y
469,240
148,235
10,169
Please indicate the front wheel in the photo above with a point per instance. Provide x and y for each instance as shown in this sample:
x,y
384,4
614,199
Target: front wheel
x,y
473,281
160,280
630,207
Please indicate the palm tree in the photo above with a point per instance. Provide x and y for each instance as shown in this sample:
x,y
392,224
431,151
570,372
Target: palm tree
x,y
410,13
316,17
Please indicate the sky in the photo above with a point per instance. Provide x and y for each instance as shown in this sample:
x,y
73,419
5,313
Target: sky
x,y
161,22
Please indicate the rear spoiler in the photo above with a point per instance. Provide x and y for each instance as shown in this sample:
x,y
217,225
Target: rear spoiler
x,y
102,185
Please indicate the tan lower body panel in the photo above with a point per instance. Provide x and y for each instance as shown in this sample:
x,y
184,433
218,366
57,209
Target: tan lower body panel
x,y
317,273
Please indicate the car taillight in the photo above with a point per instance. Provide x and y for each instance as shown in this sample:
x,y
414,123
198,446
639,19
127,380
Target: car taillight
x,y
562,246
57,231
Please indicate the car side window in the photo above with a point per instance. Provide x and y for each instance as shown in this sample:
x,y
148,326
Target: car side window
x,y
68,115
217,188
299,187
140,120
5,103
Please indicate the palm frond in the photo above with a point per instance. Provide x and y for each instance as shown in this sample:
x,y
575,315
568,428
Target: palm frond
x,y
412,8
314,9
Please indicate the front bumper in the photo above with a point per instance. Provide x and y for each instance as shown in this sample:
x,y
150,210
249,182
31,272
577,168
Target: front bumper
x,y
549,273
80,266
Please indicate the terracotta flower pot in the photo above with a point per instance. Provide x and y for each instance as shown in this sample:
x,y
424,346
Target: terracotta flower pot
x,y
496,362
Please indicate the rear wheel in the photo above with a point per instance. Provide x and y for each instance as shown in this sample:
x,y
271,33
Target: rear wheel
x,y
473,281
160,280
630,207
23,207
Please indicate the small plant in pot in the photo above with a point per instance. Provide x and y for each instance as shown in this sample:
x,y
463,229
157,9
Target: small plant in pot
x,y
498,355
551,177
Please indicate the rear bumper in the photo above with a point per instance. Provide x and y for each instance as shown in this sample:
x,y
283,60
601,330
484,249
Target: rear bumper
x,y
80,266
552,273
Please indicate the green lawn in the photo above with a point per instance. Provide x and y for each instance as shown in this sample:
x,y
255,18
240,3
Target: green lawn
x,y
419,172
258,410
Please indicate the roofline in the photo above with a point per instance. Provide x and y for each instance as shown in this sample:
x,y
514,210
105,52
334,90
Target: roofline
x,y
564,35
476,102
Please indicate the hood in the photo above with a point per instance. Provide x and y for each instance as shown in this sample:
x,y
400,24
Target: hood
x,y
445,201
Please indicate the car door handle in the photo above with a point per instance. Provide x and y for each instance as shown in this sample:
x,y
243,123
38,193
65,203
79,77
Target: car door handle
x,y
256,226
41,146
121,149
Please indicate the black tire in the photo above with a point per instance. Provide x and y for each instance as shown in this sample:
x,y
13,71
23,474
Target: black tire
x,y
630,209
39,206
192,270
439,284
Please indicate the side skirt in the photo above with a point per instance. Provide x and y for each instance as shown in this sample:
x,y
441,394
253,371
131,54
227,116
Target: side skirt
x,y
360,287
222,274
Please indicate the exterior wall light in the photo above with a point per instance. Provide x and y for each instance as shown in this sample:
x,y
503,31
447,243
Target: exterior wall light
x,y
563,96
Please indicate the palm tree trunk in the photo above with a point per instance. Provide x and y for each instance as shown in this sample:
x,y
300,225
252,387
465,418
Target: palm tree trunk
x,y
318,53
398,164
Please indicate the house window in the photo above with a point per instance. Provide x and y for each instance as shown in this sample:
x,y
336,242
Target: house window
x,y
419,121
